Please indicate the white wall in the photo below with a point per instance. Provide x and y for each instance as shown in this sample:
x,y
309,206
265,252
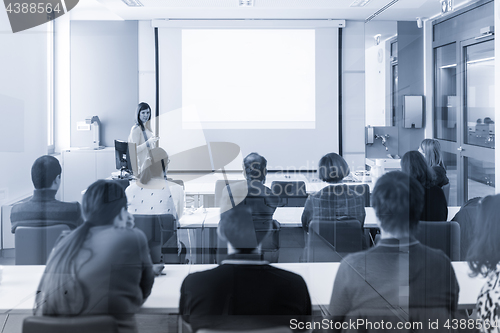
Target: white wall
x,y
23,96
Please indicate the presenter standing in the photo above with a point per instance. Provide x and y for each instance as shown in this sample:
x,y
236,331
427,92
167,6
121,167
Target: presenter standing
x,y
141,134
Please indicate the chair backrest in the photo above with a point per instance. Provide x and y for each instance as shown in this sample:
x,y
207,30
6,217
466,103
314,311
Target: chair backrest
x,y
444,236
79,324
177,181
34,244
331,240
446,191
293,192
466,218
219,186
159,229
263,330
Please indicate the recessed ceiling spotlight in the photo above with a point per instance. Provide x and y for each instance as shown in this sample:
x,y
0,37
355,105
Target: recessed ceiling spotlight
x,y
246,3
133,3
359,3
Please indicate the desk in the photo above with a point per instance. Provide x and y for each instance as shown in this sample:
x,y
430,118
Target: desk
x,y
287,216
19,283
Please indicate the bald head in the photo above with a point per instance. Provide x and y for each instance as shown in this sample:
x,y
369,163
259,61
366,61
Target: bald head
x,y
255,167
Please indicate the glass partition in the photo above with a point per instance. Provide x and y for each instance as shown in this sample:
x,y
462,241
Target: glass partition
x,y
445,109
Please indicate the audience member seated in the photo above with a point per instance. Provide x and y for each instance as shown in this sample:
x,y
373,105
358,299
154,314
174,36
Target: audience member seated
x,y
431,149
102,267
336,201
435,205
261,199
43,209
152,193
399,277
244,291
484,259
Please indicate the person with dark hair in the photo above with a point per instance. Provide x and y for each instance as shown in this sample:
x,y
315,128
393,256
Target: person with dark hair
x,y
399,277
101,267
431,149
336,201
244,291
252,192
484,259
435,205
141,134
43,209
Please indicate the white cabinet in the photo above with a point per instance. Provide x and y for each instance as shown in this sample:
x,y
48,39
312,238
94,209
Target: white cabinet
x,y
82,167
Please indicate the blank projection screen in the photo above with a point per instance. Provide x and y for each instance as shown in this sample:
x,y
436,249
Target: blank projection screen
x,y
271,91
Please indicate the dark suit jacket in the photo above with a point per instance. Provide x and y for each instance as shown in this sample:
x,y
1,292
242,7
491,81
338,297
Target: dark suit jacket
x,y
243,292
44,210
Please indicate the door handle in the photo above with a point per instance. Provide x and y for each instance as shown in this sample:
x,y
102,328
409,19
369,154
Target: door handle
x,y
460,149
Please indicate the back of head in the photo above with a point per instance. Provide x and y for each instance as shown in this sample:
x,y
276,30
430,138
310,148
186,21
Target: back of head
x,y
432,151
414,164
255,167
103,201
332,168
155,166
398,200
44,170
237,227
484,251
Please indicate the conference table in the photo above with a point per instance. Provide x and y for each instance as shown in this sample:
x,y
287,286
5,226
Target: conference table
x,y
286,216
201,225
19,284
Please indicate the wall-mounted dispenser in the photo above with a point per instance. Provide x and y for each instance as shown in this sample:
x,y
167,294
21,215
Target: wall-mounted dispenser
x,y
413,111
370,135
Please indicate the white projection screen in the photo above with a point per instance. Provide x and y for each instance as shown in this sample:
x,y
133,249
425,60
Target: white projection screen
x,y
271,91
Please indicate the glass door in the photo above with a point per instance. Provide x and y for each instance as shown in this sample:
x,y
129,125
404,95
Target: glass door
x,y
464,116
478,150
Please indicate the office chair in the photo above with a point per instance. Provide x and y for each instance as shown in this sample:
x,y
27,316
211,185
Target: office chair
x,y
77,324
444,236
34,244
292,192
330,241
161,233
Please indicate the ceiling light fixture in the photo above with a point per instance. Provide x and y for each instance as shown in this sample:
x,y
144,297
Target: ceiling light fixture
x,y
381,10
133,3
246,3
359,3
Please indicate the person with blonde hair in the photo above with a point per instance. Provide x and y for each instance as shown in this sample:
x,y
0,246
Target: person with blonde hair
x,y
431,149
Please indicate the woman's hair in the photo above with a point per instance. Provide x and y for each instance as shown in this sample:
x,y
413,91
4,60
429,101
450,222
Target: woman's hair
x,y
60,292
432,151
414,164
398,200
484,250
332,168
155,166
142,106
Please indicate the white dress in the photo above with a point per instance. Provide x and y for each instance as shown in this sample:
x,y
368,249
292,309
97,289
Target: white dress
x,y
136,136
